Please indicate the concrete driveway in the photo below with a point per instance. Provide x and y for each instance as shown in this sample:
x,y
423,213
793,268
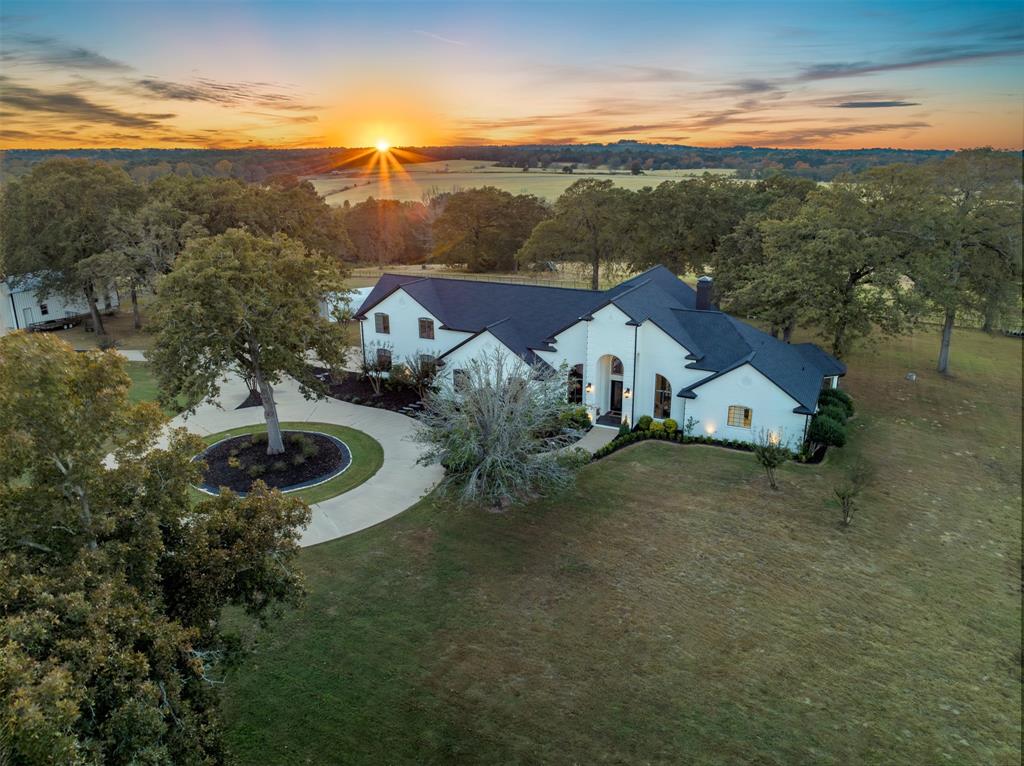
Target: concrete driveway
x,y
399,483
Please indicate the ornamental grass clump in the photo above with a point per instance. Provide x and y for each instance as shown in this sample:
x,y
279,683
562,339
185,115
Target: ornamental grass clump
x,y
492,433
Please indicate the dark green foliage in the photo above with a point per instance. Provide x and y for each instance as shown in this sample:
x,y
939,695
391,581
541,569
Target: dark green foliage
x,y
643,423
835,411
836,396
278,466
826,431
298,459
576,419
256,470
670,425
624,428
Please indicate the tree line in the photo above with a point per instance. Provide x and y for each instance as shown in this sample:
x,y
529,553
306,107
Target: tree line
x,y
877,250
259,165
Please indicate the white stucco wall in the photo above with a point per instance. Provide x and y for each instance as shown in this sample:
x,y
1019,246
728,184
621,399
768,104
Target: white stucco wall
x,y
570,347
404,338
772,408
22,307
481,345
659,354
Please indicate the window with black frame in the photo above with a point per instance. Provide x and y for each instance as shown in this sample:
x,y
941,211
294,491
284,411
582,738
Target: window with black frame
x,y
662,397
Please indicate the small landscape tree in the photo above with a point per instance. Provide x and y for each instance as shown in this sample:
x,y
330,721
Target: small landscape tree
x,y
249,304
420,369
770,454
850,490
375,367
492,431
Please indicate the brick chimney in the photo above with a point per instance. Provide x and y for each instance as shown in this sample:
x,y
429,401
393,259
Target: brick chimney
x,y
704,285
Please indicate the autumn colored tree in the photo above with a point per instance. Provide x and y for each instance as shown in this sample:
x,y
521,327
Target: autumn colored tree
x,y
112,579
249,304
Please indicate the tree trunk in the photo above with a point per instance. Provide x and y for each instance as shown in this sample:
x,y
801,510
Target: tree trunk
x,y
97,320
595,273
947,336
787,331
275,443
135,309
774,332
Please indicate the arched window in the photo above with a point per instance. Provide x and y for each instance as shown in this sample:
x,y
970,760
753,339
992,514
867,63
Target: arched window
x,y
616,366
662,397
575,394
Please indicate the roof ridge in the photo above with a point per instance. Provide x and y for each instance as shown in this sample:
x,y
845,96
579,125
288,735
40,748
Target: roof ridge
x,y
505,284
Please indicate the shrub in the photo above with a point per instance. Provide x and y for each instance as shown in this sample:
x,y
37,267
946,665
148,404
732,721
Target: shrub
x,y
657,428
257,439
256,470
838,397
623,428
297,439
834,411
827,431
644,423
309,449
670,425
299,459
278,465
234,462
575,419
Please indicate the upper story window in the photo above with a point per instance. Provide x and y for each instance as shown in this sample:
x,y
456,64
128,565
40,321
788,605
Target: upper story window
x,y
44,309
427,328
740,416
662,397
384,358
382,323
428,362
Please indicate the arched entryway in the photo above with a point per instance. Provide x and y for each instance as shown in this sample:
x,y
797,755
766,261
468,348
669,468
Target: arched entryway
x,y
610,391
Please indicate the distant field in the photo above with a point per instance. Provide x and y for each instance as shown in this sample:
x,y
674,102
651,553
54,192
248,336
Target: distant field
x,y
356,186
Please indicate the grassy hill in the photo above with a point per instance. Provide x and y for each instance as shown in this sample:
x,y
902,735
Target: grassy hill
x,y
672,609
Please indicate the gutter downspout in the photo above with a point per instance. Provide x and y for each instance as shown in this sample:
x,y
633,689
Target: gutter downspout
x,y
632,399
362,342
14,308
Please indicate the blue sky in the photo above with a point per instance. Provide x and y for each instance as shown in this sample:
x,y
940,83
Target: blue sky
x,y
841,74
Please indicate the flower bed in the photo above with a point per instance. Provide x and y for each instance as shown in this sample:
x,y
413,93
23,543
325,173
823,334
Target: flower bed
x,y
351,387
238,461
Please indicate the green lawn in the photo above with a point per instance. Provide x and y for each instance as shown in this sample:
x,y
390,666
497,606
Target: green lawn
x,y
145,389
672,609
367,457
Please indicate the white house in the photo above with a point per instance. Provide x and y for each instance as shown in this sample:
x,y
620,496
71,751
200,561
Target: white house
x,y
649,346
22,306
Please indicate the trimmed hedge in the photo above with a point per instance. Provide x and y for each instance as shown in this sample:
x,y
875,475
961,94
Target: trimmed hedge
x,y
662,435
836,397
643,423
827,431
834,411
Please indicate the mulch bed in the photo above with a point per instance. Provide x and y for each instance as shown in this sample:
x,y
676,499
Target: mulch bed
x,y
350,387
252,400
308,457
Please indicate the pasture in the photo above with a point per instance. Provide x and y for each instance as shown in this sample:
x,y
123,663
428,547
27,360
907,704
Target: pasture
x,y
413,180
673,609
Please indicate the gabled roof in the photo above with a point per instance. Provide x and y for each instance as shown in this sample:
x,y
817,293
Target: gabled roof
x,y
526,318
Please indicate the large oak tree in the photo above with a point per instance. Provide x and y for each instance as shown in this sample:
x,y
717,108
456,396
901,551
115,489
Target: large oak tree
x,y
58,216
112,580
249,304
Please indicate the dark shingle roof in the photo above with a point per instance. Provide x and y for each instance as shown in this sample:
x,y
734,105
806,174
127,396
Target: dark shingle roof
x,y
526,317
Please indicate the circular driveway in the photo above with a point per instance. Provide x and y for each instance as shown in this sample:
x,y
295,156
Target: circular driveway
x,y
399,483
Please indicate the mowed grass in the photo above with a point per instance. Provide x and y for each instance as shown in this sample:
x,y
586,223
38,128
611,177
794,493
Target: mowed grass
x,y
367,456
672,609
144,387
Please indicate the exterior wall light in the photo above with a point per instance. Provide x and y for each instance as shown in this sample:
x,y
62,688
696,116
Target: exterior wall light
x,y
590,388
627,393
709,428
773,437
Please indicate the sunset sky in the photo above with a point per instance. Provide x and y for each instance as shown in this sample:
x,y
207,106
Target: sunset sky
x,y
288,74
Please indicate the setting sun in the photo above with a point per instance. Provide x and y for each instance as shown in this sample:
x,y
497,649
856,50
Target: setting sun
x,y
382,145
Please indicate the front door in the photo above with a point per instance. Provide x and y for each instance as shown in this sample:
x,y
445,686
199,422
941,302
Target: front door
x,y
615,405
27,312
